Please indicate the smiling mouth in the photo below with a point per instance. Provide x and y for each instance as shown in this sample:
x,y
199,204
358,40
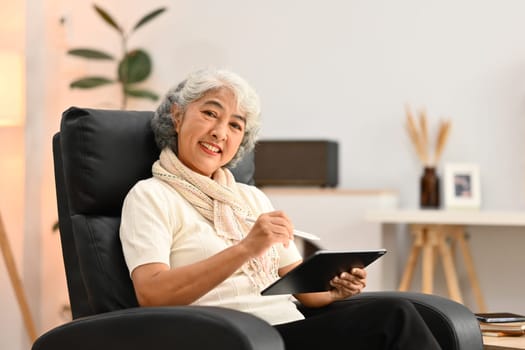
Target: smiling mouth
x,y
211,148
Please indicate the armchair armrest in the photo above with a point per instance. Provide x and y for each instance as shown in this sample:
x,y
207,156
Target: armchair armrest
x,y
159,328
454,326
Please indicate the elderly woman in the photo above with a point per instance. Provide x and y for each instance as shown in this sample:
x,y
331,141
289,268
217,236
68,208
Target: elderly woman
x,y
187,240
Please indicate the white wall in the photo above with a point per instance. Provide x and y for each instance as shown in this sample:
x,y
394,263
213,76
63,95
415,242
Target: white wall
x,y
344,69
341,70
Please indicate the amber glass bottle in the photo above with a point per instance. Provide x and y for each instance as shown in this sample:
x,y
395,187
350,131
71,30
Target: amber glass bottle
x,y
429,191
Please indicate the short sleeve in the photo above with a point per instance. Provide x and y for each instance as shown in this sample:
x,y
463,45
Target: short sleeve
x,y
145,228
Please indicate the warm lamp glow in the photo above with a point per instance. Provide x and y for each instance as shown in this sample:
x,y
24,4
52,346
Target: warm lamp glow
x,y
12,108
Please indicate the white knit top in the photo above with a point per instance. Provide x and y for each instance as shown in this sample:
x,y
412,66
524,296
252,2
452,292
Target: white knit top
x,y
159,226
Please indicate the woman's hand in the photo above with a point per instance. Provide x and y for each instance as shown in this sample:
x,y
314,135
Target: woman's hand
x,y
269,229
345,285
348,284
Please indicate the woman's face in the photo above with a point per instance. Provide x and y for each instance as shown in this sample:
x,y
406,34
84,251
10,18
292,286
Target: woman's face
x,y
210,131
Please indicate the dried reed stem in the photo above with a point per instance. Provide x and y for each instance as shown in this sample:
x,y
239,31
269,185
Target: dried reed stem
x,y
419,136
415,136
424,134
443,132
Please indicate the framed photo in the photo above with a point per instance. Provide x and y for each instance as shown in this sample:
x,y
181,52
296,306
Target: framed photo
x,y
462,186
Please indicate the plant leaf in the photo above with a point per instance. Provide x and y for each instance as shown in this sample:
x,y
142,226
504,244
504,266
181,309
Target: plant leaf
x,y
107,18
90,82
90,53
134,67
149,17
141,93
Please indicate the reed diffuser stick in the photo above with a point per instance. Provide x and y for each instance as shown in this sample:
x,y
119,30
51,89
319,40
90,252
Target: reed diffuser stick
x,y
443,132
419,136
414,135
424,134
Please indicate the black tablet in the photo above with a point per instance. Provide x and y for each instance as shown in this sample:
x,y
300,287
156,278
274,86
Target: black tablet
x,y
316,271
499,317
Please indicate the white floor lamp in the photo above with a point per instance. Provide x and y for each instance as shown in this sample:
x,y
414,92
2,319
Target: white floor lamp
x,y
12,114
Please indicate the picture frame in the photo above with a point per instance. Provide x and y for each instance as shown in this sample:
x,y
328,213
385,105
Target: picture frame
x,y
462,186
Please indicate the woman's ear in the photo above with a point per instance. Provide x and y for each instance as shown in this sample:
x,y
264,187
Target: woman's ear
x,y
176,115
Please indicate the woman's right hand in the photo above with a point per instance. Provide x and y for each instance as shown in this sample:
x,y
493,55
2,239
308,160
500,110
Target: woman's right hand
x,y
269,228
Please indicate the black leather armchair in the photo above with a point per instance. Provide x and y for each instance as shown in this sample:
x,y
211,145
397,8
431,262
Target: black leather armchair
x,y
98,157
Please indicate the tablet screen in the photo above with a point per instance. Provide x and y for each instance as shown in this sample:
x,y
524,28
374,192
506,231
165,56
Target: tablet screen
x,y
315,272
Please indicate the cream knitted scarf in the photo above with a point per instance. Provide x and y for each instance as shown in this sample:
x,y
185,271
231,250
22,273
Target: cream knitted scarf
x,y
218,200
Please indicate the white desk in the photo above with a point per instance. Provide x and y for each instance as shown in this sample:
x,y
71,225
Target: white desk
x,y
448,217
439,231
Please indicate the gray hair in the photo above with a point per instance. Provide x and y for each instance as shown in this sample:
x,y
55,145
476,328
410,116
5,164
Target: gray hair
x,y
194,87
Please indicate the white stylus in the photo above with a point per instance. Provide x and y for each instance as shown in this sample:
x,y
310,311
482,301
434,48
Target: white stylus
x,y
297,233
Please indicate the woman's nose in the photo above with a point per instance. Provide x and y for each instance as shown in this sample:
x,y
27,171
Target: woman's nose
x,y
219,131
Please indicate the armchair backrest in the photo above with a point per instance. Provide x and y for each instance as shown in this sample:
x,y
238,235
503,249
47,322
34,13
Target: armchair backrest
x,y
98,156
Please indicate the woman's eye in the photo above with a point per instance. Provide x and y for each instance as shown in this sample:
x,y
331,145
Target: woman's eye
x,y
236,126
210,114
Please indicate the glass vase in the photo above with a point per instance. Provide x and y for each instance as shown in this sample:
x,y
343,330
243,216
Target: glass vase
x,y
429,188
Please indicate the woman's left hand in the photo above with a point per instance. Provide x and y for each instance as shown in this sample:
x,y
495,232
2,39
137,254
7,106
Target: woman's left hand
x,y
348,284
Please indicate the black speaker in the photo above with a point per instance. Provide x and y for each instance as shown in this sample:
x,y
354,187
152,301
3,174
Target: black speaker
x,y
296,163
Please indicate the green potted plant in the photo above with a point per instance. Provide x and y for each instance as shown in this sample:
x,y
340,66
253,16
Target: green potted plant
x,y
134,66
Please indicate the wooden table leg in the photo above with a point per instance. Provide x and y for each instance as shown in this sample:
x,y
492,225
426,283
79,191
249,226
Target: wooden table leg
x,y
428,262
417,242
471,271
449,268
17,284
432,241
